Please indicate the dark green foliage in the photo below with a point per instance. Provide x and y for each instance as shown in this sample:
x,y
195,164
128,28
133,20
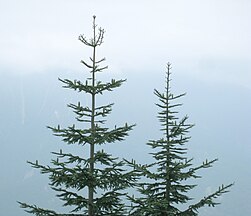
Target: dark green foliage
x,y
164,189
97,184
93,185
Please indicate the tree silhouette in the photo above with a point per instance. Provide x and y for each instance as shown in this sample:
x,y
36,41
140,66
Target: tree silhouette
x,y
164,187
92,185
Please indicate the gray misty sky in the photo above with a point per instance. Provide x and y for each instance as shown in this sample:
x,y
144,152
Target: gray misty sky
x,y
208,43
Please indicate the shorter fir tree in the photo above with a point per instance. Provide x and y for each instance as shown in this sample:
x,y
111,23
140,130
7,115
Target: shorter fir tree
x,y
164,187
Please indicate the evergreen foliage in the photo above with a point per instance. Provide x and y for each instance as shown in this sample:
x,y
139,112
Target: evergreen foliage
x,y
163,190
94,185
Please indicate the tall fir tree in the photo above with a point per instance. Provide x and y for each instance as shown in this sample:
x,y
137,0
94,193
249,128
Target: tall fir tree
x,y
92,185
164,188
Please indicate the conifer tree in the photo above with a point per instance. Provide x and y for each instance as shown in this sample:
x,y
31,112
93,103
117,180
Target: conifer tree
x,y
92,185
164,188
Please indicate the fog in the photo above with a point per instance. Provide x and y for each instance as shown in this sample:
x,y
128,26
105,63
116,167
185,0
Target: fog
x,y
208,45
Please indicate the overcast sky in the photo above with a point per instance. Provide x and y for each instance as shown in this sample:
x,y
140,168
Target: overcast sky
x,y
208,43
37,35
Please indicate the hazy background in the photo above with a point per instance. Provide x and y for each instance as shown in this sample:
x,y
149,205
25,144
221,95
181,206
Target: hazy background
x,y
208,43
